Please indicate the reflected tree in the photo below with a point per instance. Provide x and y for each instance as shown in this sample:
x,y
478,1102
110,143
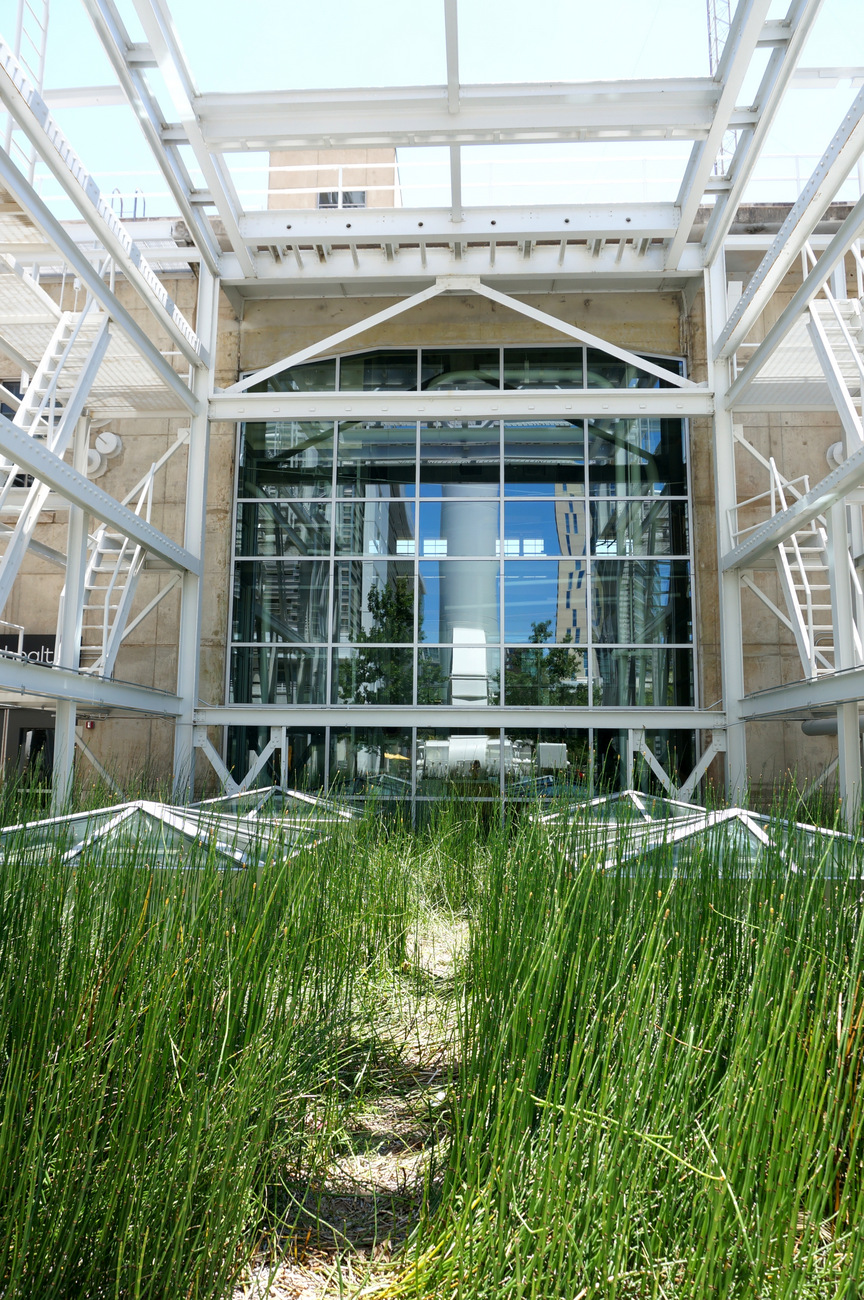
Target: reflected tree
x,y
546,676
381,671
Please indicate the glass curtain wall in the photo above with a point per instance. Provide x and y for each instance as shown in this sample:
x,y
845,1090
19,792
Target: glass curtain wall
x,y
459,564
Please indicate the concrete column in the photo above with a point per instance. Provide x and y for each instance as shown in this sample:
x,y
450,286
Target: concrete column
x,y
848,733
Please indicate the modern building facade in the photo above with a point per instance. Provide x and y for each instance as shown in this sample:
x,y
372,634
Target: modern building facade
x,y
399,500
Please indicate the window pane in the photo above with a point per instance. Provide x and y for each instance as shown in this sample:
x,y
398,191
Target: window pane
x,y
608,372
304,761
460,527
278,674
379,372
284,458
544,458
313,377
373,601
458,457
382,526
642,602
460,368
373,456
638,527
534,528
547,761
543,367
637,458
556,677
657,678
459,763
371,761
283,528
373,674
459,596
546,602
281,600
467,675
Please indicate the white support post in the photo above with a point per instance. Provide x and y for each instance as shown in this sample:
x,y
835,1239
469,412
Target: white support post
x,y
731,635
69,631
848,734
188,652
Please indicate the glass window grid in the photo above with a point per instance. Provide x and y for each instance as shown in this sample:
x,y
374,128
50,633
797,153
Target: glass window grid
x,y
593,736
416,499
582,349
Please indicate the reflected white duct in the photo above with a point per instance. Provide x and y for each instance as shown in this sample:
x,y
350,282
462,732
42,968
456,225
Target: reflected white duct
x,y
468,610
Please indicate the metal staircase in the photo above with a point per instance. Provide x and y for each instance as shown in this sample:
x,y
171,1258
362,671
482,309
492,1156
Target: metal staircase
x,y
110,581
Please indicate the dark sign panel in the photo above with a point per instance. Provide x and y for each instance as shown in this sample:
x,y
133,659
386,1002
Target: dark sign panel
x,y
38,647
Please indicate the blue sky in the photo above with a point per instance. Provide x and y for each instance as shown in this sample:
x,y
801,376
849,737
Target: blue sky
x,y
266,45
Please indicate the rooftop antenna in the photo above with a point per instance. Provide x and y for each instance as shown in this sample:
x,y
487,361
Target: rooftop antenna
x,y
719,23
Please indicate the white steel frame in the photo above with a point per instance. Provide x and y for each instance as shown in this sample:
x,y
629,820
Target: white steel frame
x,y
412,255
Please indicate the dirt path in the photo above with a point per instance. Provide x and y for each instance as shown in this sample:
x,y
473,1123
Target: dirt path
x,y
350,1228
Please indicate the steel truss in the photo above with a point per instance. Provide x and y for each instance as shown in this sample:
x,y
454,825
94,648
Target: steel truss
x,y
98,362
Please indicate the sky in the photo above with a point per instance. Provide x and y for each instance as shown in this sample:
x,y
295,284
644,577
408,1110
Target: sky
x,y
284,44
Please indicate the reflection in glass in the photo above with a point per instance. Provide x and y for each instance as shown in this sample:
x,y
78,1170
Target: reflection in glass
x,y
555,676
608,372
371,761
296,527
638,527
459,368
463,675
459,527
458,457
286,458
373,601
459,596
658,678
373,674
281,600
311,377
278,674
303,761
456,762
535,528
544,458
547,760
543,367
373,455
637,458
380,526
642,602
546,601
382,371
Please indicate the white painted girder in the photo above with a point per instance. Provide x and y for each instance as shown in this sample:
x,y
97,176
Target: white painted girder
x,y
29,111
797,699
274,715
36,459
47,682
738,51
663,109
525,404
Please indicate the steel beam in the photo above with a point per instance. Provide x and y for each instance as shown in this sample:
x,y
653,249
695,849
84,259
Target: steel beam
x,y
828,175
27,198
299,716
662,109
834,487
801,299
165,45
353,226
365,268
134,89
778,74
37,460
740,46
799,698
30,112
45,682
523,404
